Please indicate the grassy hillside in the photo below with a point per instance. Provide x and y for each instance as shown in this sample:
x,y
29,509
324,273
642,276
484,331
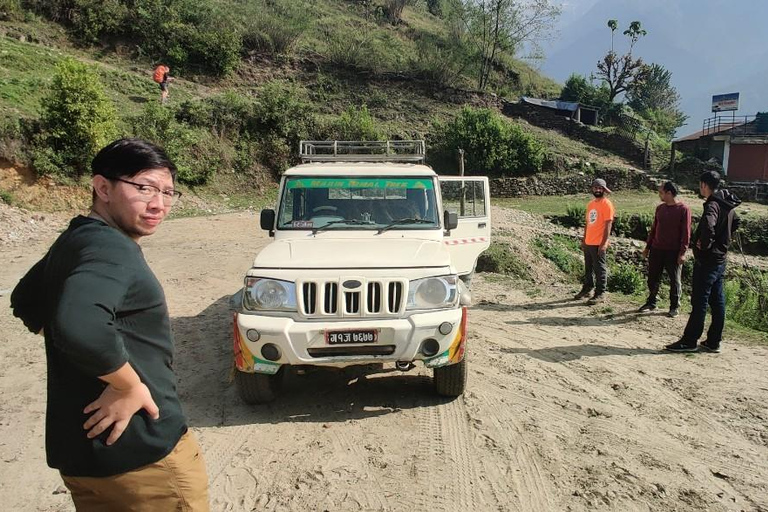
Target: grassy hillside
x,y
302,66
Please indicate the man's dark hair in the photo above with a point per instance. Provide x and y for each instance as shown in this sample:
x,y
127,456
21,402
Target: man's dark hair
x,y
668,186
125,158
711,179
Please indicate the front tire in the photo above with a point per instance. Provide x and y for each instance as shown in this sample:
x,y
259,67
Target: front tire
x,y
258,388
451,380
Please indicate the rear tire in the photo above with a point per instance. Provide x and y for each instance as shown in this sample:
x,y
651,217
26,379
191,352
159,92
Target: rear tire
x,y
451,380
258,388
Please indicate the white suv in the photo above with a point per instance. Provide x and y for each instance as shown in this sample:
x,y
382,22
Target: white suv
x,y
369,264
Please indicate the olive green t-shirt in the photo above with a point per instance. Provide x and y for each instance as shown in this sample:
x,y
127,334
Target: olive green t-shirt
x,y
101,306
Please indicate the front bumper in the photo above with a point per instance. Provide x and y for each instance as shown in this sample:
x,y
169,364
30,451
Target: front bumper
x,y
304,343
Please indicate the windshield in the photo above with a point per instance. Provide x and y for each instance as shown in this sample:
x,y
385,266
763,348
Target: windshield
x,y
368,203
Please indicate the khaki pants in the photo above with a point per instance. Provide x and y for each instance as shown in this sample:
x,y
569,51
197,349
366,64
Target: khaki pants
x,y
176,483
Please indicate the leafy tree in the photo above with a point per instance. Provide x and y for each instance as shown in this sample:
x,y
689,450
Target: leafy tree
x,y
77,121
622,72
496,26
493,146
656,100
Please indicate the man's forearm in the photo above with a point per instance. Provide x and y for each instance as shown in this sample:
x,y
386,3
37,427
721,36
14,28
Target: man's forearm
x,y
123,378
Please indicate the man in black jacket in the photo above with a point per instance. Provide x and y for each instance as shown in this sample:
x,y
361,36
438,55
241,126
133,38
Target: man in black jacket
x,y
710,247
115,428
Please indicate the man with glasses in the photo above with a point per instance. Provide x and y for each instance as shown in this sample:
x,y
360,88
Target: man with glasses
x,y
115,429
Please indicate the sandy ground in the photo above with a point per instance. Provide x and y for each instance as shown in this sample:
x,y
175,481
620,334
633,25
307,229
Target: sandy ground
x,y
567,408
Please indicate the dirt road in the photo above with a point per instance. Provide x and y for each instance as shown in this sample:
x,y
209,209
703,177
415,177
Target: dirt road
x,y
567,408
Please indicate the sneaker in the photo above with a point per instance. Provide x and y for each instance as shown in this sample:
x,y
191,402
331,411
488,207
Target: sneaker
x,y
581,294
673,312
681,346
646,307
597,298
706,347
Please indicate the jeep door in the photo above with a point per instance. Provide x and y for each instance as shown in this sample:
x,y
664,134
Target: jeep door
x,y
469,198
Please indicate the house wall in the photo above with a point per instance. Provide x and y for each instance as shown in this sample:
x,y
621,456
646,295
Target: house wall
x,y
748,162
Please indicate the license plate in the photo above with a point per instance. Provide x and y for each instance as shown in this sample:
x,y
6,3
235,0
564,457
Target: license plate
x,y
342,337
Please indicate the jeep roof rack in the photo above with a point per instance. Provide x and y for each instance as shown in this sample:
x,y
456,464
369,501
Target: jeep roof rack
x,y
362,151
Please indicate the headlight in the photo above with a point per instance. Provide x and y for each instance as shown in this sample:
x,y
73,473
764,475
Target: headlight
x,y
269,295
433,293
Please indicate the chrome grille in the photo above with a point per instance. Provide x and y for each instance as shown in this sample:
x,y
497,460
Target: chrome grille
x,y
375,298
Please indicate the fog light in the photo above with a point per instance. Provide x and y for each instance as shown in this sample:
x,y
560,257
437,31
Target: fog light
x,y
253,335
445,328
429,347
270,352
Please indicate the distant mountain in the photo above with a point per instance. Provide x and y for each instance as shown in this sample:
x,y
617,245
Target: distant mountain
x,y
710,46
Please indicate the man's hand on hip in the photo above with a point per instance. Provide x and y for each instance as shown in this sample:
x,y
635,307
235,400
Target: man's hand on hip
x,y
115,407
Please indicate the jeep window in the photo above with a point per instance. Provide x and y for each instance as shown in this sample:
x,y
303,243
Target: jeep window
x,y
473,194
364,203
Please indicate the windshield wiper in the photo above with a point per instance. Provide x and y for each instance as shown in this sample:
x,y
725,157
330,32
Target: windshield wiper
x,y
400,222
352,222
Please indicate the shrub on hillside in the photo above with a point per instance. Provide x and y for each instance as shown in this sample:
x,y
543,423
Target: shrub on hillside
x,y
186,34
632,225
354,124
625,278
500,258
752,235
437,63
275,30
493,146
746,298
562,251
10,10
77,121
158,124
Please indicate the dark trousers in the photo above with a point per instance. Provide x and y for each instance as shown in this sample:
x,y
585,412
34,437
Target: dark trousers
x,y
595,269
658,262
707,290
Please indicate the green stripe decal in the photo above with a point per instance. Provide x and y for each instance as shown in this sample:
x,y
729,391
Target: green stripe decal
x,y
345,183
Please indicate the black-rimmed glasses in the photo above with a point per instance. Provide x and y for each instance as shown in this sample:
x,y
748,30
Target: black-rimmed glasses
x,y
147,192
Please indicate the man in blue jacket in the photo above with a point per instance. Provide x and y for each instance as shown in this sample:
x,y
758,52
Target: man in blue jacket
x,y
710,248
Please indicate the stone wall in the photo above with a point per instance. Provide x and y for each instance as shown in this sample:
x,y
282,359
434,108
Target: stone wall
x,y
549,119
576,183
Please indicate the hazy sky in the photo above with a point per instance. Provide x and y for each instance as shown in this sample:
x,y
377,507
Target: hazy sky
x,y
710,46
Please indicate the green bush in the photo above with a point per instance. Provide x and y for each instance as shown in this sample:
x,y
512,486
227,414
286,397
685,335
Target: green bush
x,y
10,10
625,278
752,235
187,34
500,258
354,124
275,30
575,216
77,121
563,252
158,124
633,225
493,146
351,47
746,298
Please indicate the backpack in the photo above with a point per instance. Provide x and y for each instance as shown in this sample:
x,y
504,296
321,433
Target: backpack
x,y
159,74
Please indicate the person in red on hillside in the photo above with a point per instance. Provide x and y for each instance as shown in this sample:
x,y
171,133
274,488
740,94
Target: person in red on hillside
x,y
160,76
666,246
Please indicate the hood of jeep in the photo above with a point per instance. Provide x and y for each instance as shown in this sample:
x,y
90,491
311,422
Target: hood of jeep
x,y
353,253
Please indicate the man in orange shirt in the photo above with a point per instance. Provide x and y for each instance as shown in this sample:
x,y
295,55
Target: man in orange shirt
x,y
600,213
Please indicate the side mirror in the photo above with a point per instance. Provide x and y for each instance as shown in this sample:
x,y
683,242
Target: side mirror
x,y
450,220
268,220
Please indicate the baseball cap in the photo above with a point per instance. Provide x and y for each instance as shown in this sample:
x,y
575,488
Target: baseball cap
x,y
599,182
